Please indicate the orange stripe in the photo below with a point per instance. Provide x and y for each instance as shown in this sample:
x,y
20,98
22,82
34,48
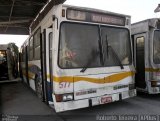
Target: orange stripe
x,y
63,79
30,74
152,70
109,79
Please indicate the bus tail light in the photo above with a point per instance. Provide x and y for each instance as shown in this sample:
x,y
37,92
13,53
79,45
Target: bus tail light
x,y
155,83
64,97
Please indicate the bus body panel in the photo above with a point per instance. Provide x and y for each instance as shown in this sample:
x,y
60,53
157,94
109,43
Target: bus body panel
x,y
146,29
94,86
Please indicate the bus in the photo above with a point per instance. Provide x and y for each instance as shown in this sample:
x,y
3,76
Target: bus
x,y
79,57
146,41
8,62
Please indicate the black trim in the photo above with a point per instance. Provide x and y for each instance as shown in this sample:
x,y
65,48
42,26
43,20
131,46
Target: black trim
x,y
90,102
120,96
50,61
43,67
41,62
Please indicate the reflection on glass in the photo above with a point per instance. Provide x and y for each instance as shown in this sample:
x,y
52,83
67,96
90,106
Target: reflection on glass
x,y
156,47
79,43
118,39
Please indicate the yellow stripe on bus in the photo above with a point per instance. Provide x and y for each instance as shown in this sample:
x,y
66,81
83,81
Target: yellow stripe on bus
x,y
108,79
152,70
30,74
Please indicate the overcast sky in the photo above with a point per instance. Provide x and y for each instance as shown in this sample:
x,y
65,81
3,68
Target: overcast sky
x,y
137,9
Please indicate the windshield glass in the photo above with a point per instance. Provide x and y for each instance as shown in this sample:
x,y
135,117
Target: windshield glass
x,y
156,47
81,46
117,49
78,45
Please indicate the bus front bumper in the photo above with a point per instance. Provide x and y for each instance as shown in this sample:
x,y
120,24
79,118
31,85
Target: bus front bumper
x,y
77,104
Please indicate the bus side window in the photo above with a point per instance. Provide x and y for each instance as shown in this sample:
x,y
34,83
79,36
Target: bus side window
x,y
31,49
37,44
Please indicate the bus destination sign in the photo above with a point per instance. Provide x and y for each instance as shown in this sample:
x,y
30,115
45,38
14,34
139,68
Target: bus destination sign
x,y
89,16
108,19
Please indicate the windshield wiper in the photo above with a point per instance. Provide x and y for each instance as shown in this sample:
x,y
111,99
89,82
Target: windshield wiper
x,y
95,54
107,45
114,52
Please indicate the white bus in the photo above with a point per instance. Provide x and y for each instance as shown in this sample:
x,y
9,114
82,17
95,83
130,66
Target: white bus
x,y
146,41
79,57
8,62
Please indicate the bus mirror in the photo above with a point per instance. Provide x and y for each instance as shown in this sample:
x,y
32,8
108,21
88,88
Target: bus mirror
x,y
54,18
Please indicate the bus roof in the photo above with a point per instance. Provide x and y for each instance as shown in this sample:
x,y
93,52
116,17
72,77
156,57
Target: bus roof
x,y
95,10
42,14
143,26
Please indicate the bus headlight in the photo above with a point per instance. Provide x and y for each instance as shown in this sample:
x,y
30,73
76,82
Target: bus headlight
x,y
155,83
64,97
67,97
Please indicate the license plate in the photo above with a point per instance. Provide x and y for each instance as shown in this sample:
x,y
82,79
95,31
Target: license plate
x,y
104,100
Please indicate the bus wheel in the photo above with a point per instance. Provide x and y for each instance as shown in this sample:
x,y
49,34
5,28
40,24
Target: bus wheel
x,y
39,87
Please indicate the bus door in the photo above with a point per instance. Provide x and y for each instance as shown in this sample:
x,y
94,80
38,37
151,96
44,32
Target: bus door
x,y
3,65
26,64
139,54
47,63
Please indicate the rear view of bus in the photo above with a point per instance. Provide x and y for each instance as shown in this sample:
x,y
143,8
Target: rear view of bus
x,y
93,61
146,39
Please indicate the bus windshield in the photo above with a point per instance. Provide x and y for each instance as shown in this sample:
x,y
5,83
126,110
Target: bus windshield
x,y
156,47
3,57
82,45
116,43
